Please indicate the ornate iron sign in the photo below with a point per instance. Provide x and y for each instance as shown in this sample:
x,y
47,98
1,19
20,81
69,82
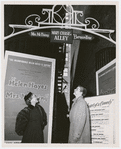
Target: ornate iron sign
x,y
55,19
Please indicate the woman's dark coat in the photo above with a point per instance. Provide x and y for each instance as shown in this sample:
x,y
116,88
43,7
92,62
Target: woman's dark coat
x,y
30,123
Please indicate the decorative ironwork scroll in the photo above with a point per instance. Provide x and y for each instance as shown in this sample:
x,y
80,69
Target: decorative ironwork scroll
x,y
62,16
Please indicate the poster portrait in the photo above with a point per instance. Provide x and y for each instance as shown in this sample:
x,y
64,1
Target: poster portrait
x,y
27,73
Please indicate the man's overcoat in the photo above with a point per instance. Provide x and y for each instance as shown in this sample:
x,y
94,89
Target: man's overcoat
x,y
79,122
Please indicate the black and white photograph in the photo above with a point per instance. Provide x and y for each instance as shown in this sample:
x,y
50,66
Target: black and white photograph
x,y
60,71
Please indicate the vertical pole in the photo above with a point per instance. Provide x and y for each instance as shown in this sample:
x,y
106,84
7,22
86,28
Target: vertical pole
x,y
66,72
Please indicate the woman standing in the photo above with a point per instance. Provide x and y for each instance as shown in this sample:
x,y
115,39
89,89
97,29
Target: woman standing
x,y
31,121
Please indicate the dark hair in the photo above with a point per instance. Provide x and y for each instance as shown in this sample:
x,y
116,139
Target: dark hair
x,y
83,90
27,96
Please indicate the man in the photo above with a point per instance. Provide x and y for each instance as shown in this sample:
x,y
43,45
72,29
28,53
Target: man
x,y
79,118
31,121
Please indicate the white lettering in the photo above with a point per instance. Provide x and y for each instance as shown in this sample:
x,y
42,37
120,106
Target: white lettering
x,y
33,34
63,38
55,32
82,37
65,33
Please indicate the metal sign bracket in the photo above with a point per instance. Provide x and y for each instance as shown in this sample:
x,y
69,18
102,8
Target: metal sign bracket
x,y
54,19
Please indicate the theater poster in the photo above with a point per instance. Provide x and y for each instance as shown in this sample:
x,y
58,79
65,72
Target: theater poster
x,y
27,73
106,79
104,118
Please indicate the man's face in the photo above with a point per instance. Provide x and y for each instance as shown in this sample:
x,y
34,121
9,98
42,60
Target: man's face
x,y
76,91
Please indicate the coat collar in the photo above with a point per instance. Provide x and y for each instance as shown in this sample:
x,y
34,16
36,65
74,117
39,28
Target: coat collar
x,y
75,99
31,106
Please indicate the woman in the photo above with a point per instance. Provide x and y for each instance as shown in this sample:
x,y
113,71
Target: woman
x,y
31,121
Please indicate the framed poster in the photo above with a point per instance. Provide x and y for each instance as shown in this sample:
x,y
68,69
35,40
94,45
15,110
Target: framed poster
x,y
103,116
106,79
27,73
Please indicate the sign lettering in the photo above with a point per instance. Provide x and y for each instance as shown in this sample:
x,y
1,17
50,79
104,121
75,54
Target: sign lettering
x,y
39,34
82,37
102,118
61,35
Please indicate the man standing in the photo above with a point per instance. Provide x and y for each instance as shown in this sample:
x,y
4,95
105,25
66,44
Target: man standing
x,y
79,118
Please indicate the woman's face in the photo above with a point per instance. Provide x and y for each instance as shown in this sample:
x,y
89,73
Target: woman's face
x,y
33,100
